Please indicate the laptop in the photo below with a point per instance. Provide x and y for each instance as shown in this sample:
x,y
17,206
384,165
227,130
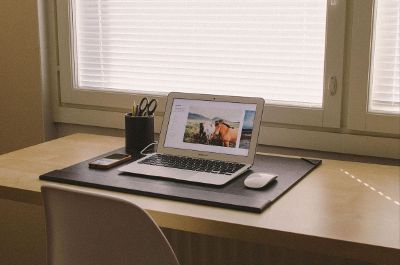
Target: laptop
x,y
209,139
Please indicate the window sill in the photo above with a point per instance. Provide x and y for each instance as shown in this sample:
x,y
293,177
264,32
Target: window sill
x,y
280,135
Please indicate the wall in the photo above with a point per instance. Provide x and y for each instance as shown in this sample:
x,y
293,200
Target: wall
x,y
21,102
23,237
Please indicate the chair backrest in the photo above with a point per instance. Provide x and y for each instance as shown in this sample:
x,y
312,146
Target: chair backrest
x,y
87,228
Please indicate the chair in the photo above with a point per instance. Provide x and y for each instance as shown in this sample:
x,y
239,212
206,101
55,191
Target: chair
x,y
87,228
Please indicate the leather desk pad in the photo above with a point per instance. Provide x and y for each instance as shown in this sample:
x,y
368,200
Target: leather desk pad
x,y
233,195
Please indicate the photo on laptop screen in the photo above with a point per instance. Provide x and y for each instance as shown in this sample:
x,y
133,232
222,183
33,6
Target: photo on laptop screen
x,y
211,126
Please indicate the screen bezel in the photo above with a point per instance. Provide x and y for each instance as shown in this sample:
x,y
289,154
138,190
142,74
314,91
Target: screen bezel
x,y
208,155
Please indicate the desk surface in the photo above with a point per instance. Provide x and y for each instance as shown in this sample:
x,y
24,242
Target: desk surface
x,y
342,208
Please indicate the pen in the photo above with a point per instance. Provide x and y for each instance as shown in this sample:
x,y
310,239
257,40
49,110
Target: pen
x,y
137,110
134,108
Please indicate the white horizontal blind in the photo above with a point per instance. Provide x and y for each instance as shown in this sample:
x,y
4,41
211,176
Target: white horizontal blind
x,y
384,94
268,48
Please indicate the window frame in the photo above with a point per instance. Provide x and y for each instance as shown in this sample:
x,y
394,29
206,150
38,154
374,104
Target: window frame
x,y
329,116
359,118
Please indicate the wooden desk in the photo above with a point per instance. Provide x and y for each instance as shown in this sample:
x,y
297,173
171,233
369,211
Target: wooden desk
x,y
342,209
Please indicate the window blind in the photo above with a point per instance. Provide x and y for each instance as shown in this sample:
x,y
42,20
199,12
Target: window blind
x,y
273,49
384,93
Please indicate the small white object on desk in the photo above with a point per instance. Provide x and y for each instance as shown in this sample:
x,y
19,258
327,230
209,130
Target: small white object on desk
x,y
259,180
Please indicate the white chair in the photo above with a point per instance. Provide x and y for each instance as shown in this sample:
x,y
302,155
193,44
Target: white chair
x,y
86,228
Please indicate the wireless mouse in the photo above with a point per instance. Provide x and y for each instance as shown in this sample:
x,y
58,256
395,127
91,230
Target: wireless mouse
x,y
259,180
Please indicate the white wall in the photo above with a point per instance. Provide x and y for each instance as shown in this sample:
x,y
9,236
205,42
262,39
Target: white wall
x,y
22,104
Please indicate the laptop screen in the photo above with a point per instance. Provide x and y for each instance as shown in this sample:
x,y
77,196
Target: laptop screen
x,y
211,126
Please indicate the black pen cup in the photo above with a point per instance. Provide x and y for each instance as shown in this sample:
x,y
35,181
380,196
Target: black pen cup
x,y
139,133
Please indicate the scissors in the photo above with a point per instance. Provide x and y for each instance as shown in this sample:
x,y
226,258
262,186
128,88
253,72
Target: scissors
x,y
146,107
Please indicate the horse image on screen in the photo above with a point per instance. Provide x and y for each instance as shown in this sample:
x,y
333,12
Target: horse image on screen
x,y
219,127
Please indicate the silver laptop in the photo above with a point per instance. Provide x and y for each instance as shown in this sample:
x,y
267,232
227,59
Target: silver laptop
x,y
207,139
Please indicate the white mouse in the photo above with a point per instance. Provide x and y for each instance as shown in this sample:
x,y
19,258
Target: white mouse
x,y
259,180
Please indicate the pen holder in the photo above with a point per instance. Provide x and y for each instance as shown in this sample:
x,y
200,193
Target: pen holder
x,y
139,132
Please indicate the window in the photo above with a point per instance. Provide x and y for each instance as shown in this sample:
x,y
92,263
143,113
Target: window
x,y
289,52
374,73
111,52
385,68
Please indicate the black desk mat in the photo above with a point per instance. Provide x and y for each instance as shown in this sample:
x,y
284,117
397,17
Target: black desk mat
x,y
233,195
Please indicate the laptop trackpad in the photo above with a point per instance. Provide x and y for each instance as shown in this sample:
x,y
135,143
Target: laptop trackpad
x,y
209,178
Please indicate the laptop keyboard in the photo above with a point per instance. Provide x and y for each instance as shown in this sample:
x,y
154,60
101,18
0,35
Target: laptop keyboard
x,y
196,164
